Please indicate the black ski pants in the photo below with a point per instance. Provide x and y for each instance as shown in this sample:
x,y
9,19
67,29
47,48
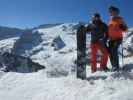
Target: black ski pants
x,y
113,52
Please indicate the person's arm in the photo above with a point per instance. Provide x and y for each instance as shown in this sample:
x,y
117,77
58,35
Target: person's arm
x,y
123,26
89,28
106,31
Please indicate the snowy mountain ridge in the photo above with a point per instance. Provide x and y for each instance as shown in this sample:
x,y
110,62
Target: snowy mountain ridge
x,y
50,45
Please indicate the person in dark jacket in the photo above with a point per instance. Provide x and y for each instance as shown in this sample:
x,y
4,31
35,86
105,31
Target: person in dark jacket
x,y
98,30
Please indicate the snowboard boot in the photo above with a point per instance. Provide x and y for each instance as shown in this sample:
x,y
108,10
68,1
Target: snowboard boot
x,y
105,69
115,69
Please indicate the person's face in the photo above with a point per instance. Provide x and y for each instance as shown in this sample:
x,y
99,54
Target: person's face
x,y
113,13
95,18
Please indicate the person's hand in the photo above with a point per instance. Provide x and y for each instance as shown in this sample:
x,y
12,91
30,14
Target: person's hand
x,y
123,27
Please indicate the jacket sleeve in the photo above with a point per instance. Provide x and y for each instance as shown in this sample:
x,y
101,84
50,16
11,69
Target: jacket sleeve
x,y
89,28
105,30
123,26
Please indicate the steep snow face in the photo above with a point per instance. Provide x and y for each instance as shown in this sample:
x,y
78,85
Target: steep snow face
x,y
58,59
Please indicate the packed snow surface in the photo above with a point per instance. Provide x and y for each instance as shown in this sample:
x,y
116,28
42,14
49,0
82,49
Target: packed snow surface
x,y
37,86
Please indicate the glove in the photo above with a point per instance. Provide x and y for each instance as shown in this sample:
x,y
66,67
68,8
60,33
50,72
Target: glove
x,y
123,27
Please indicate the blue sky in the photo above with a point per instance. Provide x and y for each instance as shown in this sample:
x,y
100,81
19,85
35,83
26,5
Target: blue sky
x,y
30,13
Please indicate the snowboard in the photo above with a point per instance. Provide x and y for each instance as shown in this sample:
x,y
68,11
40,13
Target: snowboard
x,y
81,52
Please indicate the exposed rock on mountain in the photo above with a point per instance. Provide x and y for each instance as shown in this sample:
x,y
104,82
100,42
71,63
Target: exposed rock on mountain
x,y
14,63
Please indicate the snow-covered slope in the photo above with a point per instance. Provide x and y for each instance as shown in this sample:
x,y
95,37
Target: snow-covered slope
x,y
7,44
63,58
50,46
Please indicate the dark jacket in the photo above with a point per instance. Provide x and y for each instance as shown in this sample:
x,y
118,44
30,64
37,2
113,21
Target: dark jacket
x,y
98,31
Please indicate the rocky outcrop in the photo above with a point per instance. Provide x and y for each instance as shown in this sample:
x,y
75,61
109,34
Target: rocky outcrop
x,y
6,32
58,43
15,63
27,41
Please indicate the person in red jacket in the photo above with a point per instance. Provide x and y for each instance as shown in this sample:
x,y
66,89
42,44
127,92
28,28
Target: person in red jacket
x,y
115,29
98,30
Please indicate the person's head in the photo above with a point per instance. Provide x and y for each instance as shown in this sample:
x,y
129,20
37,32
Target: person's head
x,y
114,11
96,17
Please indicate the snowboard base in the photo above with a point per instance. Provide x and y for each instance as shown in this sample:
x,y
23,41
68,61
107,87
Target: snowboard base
x,y
81,52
